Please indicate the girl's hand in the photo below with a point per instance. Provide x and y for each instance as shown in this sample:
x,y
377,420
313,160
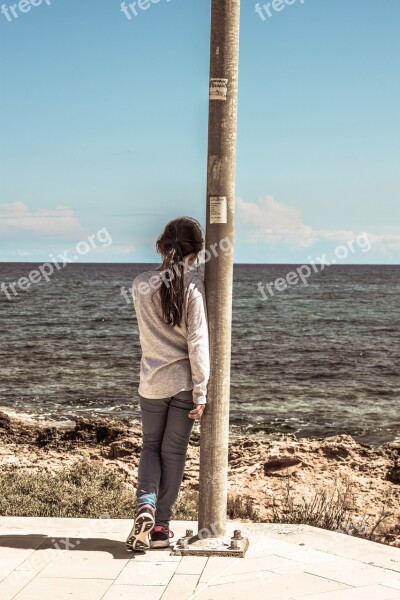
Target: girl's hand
x,y
197,412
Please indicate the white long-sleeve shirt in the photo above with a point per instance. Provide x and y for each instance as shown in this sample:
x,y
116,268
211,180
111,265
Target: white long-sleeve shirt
x,y
173,358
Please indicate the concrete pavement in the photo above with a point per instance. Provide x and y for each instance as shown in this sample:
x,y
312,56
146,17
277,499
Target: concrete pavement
x,y
67,559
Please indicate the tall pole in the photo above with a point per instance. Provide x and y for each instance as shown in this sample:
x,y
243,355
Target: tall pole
x,y
224,58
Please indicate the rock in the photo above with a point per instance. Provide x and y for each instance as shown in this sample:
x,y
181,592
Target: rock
x,y
337,452
120,448
48,435
5,422
94,431
248,468
281,467
393,474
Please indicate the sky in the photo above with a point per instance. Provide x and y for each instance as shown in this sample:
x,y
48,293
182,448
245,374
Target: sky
x,y
103,129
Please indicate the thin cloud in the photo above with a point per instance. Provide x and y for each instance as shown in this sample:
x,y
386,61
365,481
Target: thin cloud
x,y
127,248
130,215
272,221
17,218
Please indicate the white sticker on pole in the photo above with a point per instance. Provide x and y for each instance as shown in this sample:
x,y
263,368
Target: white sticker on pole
x,y
218,209
218,89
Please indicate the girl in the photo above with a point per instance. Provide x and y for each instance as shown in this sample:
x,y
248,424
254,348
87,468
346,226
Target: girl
x,y
171,313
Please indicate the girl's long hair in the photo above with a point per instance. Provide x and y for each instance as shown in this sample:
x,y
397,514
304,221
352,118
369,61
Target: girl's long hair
x,y
180,237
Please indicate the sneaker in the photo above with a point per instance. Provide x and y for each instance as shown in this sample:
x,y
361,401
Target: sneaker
x,y
159,536
138,539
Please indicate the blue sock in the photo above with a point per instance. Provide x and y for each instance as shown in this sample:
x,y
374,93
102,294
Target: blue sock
x,y
146,498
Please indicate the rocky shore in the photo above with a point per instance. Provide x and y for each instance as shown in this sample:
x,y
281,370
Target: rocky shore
x,y
277,477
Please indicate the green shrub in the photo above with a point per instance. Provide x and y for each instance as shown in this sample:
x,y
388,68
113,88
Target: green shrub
x,y
82,490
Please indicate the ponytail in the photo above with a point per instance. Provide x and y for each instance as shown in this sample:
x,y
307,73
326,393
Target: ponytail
x,y
180,237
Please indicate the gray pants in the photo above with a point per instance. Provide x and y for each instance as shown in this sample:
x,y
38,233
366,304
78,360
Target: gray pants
x,y
166,431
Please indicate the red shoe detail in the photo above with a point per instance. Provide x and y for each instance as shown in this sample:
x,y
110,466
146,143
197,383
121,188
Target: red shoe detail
x,y
142,506
163,529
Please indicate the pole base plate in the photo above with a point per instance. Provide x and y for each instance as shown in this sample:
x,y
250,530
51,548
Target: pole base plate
x,y
193,545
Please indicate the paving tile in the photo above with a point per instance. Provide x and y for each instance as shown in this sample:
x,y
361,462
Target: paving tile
x,y
35,532
368,592
307,556
62,526
234,591
133,592
259,575
104,527
44,525
64,589
37,560
272,587
106,535
14,582
154,555
114,548
217,566
21,553
340,544
85,565
385,563
391,581
282,531
193,565
352,572
269,545
18,545
181,586
8,564
226,574
146,573
48,552
264,563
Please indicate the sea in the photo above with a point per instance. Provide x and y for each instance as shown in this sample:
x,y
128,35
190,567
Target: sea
x,y
318,359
